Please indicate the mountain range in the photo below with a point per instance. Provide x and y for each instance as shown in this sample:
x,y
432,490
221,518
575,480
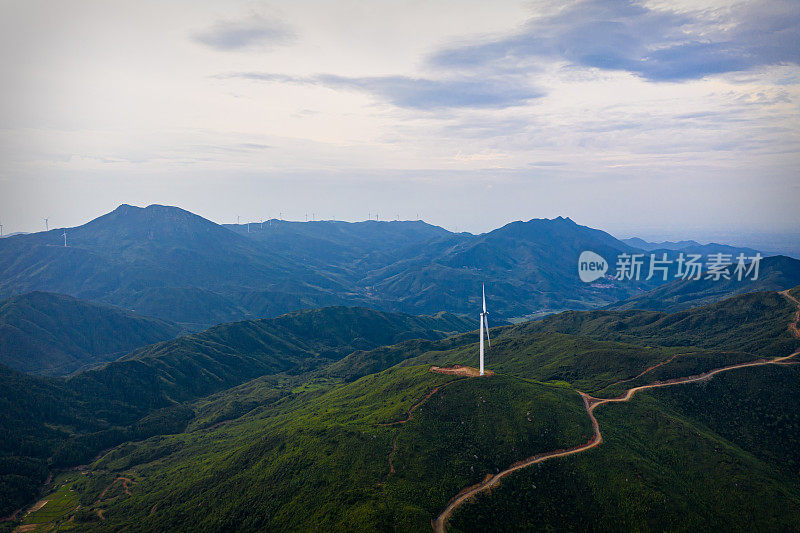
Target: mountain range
x,y
688,247
165,373
171,264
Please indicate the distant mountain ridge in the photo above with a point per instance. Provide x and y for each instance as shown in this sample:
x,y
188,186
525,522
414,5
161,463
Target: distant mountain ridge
x,y
690,247
123,256
172,264
527,267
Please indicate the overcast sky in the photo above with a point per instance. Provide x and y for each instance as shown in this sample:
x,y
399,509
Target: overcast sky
x,y
663,119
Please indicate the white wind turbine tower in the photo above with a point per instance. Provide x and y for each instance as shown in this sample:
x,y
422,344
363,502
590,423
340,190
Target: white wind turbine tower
x,y
46,226
484,326
65,237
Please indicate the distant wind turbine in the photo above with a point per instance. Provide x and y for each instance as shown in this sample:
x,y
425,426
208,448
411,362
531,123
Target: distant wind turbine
x,y
484,326
65,237
46,227
1,230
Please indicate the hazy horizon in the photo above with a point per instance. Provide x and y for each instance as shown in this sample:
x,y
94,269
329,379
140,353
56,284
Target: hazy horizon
x,y
663,120
780,243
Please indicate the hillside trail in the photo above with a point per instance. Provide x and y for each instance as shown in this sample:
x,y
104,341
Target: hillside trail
x,y
409,416
793,327
591,403
126,487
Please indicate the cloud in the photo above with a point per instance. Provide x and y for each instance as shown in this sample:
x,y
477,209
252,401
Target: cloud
x,y
256,30
419,93
654,44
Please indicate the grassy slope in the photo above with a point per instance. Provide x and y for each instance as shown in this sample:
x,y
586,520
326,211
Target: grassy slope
x,y
753,323
52,422
599,347
224,356
315,460
309,452
716,456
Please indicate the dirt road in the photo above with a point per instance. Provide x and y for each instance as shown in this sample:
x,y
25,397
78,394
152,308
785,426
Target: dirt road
x,y
591,403
126,486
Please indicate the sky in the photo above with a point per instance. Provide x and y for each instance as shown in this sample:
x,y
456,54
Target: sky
x,y
667,120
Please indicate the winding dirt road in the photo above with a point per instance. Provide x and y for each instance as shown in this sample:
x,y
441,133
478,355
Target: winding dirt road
x,y
591,403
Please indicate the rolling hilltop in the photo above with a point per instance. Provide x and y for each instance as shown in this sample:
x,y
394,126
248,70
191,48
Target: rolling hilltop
x,y
338,431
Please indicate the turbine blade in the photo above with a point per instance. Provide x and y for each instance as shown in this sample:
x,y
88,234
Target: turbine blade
x,y
484,297
486,323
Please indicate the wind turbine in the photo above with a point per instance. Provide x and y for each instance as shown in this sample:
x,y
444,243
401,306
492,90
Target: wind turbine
x,y
1,230
65,237
46,227
484,324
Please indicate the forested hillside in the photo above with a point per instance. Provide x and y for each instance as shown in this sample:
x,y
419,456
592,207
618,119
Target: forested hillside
x,y
375,439
55,334
58,422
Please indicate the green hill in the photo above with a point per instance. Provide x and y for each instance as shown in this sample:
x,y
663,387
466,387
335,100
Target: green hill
x,y
54,334
754,322
58,422
322,460
375,441
721,456
224,356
